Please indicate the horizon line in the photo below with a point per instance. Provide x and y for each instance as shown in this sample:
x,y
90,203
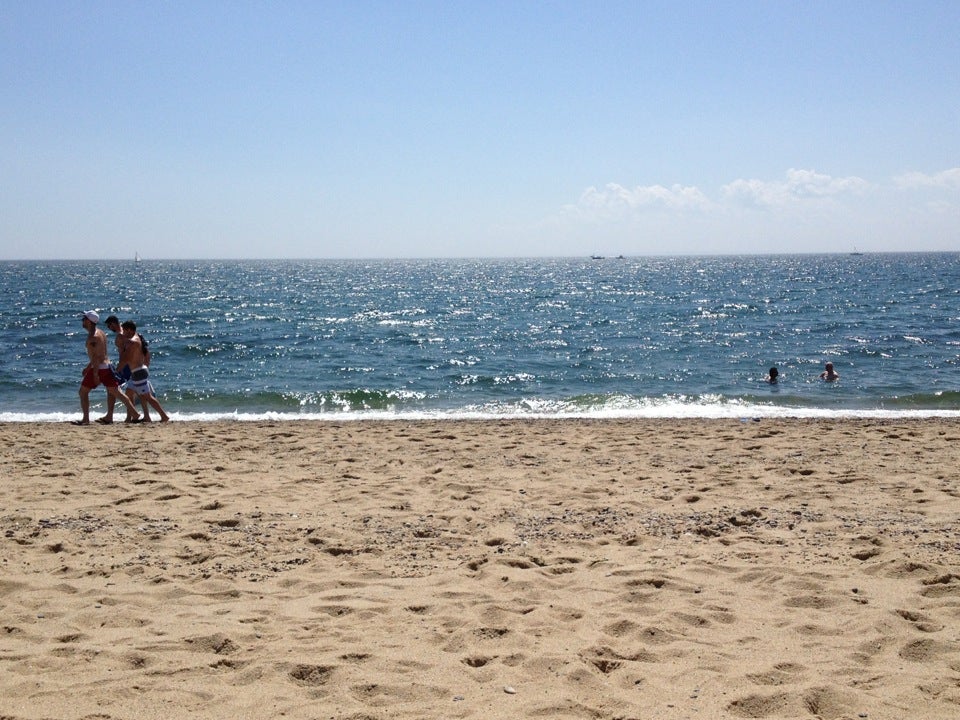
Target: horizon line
x,y
595,257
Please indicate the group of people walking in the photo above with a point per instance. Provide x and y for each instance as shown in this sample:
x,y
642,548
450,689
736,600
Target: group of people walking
x,y
128,382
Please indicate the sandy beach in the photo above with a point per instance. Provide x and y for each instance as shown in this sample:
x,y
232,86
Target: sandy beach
x,y
489,569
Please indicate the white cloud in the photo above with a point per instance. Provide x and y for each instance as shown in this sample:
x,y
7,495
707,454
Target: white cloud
x,y
804,210
616,200
799,186
948,179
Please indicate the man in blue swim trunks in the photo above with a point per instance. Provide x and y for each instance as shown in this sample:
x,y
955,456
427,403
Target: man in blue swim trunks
x,y
113,324
123,363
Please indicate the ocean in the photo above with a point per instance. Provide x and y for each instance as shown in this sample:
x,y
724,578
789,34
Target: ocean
x,y
568,337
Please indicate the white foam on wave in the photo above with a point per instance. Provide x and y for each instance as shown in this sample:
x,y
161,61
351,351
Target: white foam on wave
x,y
676,411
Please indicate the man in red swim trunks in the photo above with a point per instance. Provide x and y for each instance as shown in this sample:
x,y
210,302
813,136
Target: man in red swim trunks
x,y
98,371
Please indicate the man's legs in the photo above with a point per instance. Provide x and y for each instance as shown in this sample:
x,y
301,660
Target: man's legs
x,y
124,375
152,401
85,404
117,394
134,398
111,402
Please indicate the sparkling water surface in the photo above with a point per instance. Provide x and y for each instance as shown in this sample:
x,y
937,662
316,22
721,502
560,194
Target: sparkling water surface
x,y
616,337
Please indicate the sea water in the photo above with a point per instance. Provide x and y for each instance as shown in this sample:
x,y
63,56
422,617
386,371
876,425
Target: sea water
x,y
614,337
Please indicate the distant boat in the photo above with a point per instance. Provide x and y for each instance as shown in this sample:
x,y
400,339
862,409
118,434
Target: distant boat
x,y
855,251
596,257
136,257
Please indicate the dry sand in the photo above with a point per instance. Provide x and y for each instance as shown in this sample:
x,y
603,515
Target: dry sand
x,y
521,569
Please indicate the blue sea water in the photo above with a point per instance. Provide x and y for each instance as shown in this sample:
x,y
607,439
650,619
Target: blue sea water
x,y
616,337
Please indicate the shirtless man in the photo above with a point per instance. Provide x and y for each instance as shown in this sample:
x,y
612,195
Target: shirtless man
x,y
829,374
123,363
98,371
113,324
139,384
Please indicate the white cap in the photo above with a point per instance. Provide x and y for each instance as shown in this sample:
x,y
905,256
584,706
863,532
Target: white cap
x,y
92,316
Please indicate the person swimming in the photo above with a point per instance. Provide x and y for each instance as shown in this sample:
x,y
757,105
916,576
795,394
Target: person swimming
x,y
773,376
829,374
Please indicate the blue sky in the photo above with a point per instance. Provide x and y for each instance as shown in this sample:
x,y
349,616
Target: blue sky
x,y
465,129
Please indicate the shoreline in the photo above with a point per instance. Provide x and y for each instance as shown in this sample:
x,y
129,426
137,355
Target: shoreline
x,y
656,414
482,568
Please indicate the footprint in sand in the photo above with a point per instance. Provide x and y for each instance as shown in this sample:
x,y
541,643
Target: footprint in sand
x,y
218,644
922,622
925,649
779,674
311,675
826,703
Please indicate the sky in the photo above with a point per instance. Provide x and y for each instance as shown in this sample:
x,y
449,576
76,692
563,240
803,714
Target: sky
x,y
356,129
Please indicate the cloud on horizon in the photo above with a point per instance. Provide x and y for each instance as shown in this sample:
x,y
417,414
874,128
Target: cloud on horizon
x,y
798,189
803,209
799,186
614,199
948,179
